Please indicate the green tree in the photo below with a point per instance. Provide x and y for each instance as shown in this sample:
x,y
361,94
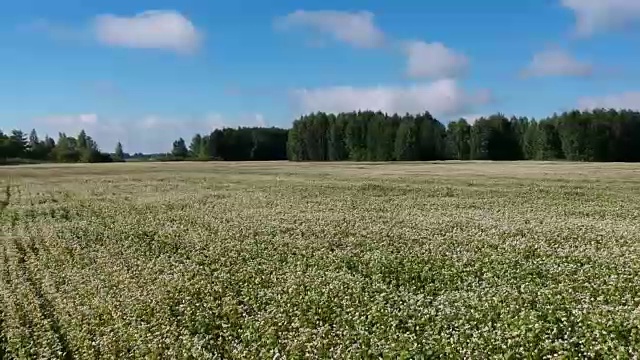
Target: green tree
x,y
83,141
49,147
4,146
295,145
458,137
548,144
406,145
386,143
573,129
356,135
431,138
216,140
119,152
493,138
179,149
336,147
531,143
375,134
17,144
195,147
34,141
204,152
66,149
479,138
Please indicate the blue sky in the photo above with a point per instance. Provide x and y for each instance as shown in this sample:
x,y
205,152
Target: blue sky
x,y
145,72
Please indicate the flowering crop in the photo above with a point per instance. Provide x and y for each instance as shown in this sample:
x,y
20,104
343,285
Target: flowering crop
x,y
282,260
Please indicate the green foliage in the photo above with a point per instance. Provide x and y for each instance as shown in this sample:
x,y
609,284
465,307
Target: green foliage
x,y
18,148
432,142
458,137
494,138
242,144
548,145
406,145
356,135
366,136
337,148
119,154
599,135
94,156
197,144
179,149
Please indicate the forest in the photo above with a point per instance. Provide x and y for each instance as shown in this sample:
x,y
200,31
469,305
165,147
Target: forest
x,y
599,135
241,144
222,144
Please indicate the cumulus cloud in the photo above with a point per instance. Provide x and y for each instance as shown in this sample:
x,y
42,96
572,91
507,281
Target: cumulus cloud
x,y
556,62
155,29
148,134
600,15
628,100
433,60
159,29
355,28
441,98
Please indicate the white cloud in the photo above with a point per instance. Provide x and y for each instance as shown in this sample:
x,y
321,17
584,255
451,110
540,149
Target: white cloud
x,y
159,29
433,60
355,28
441,98
556,62
628,100
600,15
149,134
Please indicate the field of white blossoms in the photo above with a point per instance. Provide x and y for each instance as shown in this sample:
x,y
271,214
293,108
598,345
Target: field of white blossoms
x,y
284,260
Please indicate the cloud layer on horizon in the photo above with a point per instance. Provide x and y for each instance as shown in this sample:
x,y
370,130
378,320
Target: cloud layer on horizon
x,y
441,98
627,100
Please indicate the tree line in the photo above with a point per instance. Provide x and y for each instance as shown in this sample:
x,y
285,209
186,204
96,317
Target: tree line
x,y
598,135
241,144
18,147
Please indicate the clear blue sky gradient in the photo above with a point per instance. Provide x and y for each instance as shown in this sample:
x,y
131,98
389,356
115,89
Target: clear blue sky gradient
x,y
245,66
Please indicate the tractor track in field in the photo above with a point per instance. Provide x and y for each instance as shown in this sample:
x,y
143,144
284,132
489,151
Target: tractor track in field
x,y
44,304
5,273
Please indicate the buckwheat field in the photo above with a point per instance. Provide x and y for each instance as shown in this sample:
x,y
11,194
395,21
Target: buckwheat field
x,y
284,260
